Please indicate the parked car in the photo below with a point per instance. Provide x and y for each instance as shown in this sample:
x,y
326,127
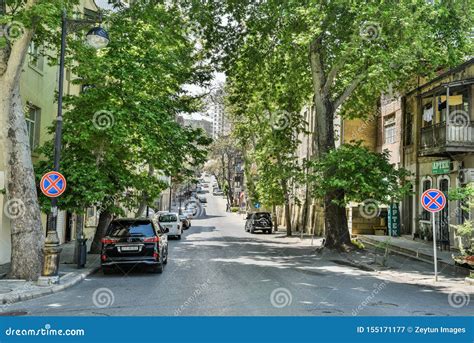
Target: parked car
x,y
202,198
217,192
189,213
171,222
185,221
261,221
134,241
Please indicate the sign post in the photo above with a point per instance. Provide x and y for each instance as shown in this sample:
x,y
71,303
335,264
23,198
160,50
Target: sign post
x,y
433,200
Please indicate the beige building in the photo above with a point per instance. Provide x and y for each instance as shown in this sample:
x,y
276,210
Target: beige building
x,y
438,148
38,85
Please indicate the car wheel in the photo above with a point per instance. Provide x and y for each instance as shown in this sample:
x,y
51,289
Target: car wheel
x,y
158,269
165,261
107,270
269,231
252,229
178,236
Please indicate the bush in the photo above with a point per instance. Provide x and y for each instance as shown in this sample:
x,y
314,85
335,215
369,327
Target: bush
x,y
234,209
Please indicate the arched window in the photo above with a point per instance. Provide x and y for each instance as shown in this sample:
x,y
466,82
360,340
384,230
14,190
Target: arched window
x,y
425,215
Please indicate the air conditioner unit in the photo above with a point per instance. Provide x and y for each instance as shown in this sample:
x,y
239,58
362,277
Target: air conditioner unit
x,y
466,176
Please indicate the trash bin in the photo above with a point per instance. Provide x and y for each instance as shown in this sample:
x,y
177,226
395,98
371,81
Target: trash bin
x,y
82,252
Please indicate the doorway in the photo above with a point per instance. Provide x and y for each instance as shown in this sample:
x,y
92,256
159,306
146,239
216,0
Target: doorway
x,y
443,218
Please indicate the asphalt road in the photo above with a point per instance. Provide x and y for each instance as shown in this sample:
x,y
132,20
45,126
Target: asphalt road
x,y
218,269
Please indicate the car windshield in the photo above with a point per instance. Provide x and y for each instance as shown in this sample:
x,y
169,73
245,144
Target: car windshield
x,y
130,228
167,218
262,215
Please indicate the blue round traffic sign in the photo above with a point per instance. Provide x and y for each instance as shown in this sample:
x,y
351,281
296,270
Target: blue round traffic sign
x,y
53,184
433,200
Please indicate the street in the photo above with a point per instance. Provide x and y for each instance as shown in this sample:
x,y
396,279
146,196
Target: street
x,y
217,269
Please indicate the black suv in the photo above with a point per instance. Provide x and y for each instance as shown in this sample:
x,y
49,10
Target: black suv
x,y
129,242
259,221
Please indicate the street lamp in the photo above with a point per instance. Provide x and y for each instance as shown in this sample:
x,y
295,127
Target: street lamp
x,y
96,38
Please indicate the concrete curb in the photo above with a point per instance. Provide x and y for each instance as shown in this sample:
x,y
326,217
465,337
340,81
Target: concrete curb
x,y
67,281
416,255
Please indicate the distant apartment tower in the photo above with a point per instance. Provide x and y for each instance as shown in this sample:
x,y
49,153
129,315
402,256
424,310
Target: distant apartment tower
x,y
196,121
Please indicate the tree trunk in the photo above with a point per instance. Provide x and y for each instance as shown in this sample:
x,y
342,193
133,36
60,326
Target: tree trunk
x,y
337,233
284,186
144,200
229,182
21,204
105,218
275,219
336,228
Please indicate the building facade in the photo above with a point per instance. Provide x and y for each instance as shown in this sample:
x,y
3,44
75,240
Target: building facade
x,y
38,87
438,148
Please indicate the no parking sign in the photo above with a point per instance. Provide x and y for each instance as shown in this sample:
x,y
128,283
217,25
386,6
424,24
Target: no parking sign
x,y
53,184
433,200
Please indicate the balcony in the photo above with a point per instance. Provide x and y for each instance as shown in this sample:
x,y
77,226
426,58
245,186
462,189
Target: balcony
x,y
442,139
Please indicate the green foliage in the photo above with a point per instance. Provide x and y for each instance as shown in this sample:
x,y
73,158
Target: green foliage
x,y
120,134
360,173
465,230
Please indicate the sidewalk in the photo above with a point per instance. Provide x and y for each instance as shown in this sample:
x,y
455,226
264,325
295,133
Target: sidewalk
x,y
12,291
417,249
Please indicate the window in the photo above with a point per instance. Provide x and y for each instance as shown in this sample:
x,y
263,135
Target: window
x,y
389,129
408,128
425,215
122,228
428,112
33,117
36,58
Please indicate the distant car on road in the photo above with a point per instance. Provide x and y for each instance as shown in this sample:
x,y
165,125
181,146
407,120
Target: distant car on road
x,y
202,198
134,241
185,221
261,221
171,222
217,192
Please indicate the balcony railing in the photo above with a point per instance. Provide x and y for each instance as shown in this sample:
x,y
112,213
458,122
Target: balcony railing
x,y
443,137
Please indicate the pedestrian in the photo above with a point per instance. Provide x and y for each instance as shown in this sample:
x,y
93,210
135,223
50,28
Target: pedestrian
x,y
227,208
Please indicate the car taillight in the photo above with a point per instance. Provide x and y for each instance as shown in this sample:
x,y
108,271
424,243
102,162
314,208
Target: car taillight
x,y
108,241
155,239
155,255
103,257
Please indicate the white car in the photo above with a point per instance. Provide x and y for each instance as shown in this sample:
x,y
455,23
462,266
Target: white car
x,y
189,213
171,222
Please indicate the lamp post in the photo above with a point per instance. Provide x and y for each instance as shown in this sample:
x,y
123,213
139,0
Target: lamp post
x,y
98,38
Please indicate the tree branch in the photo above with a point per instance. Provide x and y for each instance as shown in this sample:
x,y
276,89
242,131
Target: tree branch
x,y
348,91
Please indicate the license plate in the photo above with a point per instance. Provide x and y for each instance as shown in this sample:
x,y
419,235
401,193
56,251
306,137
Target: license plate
x,y
132,248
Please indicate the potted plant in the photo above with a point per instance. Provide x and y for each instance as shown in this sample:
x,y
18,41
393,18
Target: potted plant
x,y
465,230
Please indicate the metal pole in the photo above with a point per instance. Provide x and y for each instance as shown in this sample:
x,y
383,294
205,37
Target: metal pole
x,y
52,249
171,193
434,247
